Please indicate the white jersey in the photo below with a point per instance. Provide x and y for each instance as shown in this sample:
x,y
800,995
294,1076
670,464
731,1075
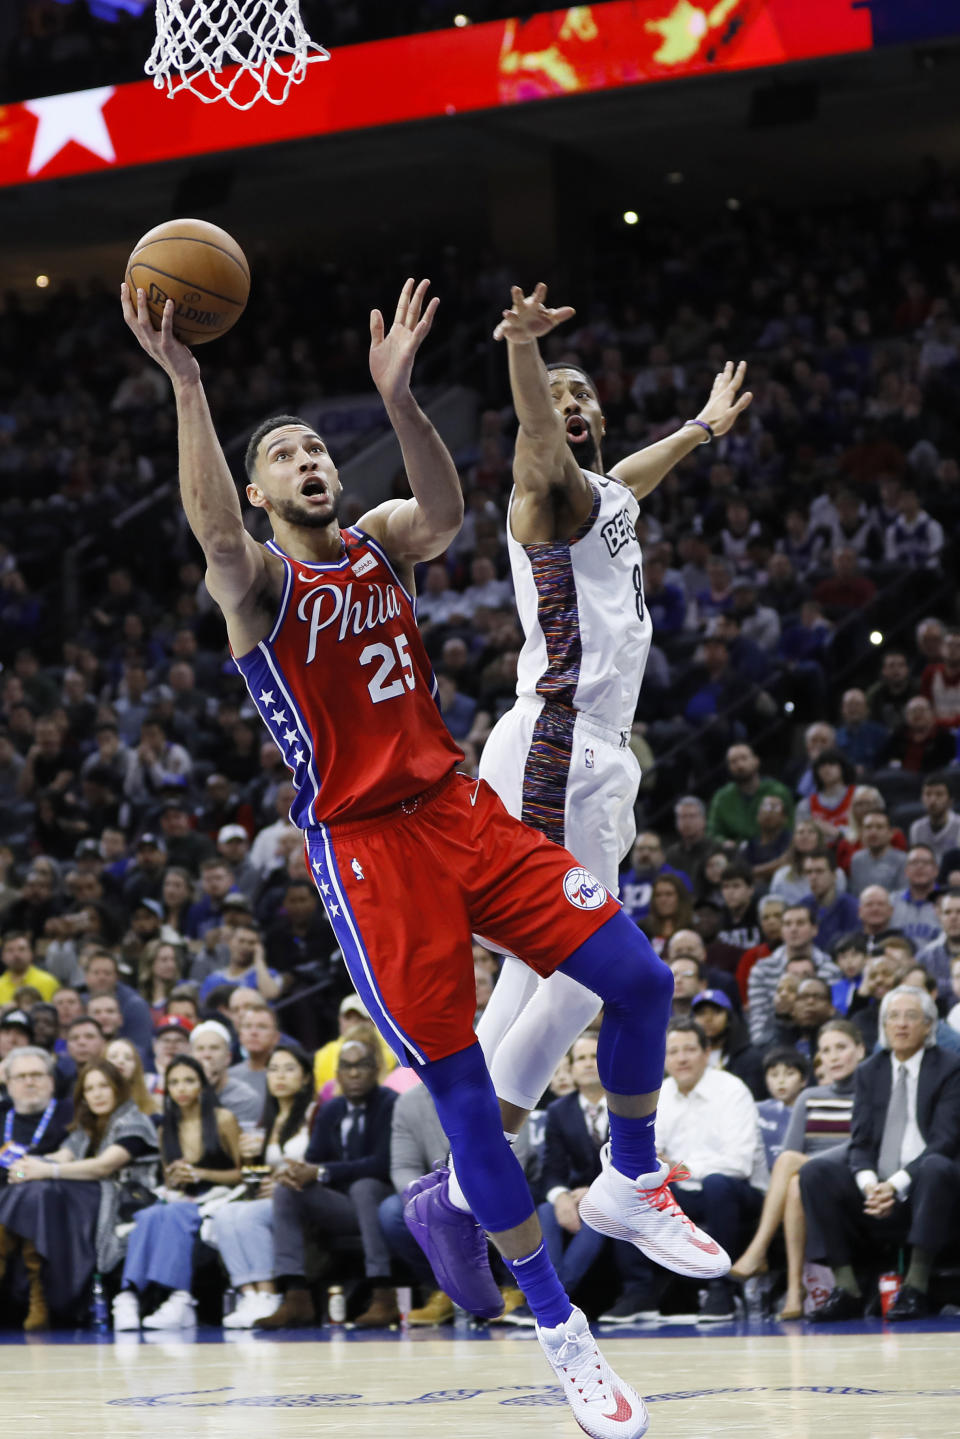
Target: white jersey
x,y
586,627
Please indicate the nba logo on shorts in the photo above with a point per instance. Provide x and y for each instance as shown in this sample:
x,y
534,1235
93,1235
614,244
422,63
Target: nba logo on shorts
x,y
355,866
588,757
583,890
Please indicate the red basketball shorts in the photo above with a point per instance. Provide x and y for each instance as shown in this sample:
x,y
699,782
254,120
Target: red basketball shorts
x,y
405,893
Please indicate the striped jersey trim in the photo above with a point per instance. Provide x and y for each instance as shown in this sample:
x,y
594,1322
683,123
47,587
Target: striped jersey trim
x,y
557,613
545,772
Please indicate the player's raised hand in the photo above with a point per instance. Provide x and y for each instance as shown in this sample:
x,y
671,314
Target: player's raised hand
x,y
726,402
530,317
392,353
161,345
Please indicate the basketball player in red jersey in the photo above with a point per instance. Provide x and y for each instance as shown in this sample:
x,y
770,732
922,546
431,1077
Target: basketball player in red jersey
x,y
409,855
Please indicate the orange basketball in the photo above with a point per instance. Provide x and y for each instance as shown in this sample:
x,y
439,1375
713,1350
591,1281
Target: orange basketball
x,y
198,266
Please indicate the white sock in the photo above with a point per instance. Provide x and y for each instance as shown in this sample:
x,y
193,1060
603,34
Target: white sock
x,y
455,1194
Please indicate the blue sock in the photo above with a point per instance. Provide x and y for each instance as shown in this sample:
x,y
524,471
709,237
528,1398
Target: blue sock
x,y
636,987
541,1287
633,1147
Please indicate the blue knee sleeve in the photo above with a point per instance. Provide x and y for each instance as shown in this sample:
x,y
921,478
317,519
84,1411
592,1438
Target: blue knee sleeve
x,y
489,1173
620,965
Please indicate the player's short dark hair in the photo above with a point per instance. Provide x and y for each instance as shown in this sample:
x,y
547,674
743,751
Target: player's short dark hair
x,y
275,422
566,365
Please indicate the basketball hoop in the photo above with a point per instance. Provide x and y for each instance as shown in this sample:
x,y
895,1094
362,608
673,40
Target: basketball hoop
x,y
197,40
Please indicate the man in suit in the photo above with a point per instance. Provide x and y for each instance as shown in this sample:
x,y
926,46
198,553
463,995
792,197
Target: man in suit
x,y
899,1181
576,1130
337,1188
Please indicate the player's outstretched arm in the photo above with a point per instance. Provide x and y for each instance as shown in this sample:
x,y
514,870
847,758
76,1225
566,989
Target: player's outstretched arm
x,y
642,472
420,528
543,460
234,560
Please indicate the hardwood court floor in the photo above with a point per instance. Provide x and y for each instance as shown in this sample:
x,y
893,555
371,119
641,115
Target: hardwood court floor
x,y
851,1383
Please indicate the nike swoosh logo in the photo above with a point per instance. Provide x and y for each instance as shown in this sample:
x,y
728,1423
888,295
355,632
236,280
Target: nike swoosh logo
x,y
473,797
710,1248
307,578
623,1411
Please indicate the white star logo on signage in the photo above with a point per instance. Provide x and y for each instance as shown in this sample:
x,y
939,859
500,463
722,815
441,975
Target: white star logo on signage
x,y
62,118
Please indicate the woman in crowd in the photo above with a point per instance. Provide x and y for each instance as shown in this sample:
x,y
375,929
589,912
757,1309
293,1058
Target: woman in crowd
x,y
865,798
200,1148
671,908
821,1119
159,976
176,896
832,799
243,1233
729,1042
788,882
711,884
125,1055
63,1208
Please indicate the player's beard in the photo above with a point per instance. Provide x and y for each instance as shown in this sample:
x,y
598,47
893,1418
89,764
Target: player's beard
x,y
586,453
297,512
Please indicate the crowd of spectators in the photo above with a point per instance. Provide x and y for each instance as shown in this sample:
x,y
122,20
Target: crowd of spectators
x,y
164,955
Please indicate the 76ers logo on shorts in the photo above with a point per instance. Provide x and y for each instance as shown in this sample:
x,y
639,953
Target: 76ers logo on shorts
x,y
583,890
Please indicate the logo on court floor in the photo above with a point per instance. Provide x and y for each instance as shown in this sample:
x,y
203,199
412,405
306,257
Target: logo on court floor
x,y
583,890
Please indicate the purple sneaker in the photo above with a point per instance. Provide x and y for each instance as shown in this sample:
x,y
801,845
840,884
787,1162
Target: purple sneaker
x,y
454,1243
428,1181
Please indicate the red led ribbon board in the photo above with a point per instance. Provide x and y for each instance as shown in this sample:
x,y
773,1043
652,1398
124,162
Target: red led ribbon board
x,y
579,50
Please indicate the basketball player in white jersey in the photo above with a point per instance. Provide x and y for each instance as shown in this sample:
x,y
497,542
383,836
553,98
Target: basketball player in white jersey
x,y
561,758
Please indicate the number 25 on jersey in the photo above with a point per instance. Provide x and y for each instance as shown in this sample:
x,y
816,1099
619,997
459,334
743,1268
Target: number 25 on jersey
x,y
382,686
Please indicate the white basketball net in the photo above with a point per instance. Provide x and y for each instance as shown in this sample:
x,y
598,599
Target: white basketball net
x,y
197,40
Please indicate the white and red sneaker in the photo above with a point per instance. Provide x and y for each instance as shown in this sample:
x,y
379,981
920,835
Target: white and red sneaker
x,y
603,1406
645,1212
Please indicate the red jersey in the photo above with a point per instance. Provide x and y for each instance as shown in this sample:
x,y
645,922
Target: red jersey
x,y
345,687
837,815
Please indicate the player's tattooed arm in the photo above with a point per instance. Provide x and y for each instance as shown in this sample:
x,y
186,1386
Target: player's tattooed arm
x,y
543,461
420,528
642,472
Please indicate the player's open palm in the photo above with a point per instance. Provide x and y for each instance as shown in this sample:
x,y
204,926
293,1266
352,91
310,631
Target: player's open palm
x,y
726,402
530,317
393,351
161,345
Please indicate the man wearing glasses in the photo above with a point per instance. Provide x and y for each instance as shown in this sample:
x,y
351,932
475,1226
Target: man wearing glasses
x,y
32,1121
